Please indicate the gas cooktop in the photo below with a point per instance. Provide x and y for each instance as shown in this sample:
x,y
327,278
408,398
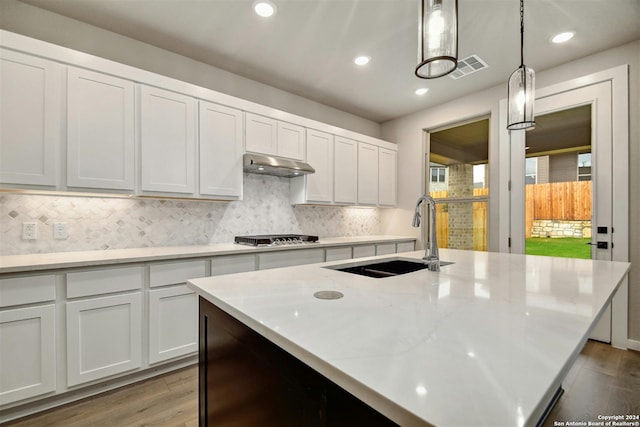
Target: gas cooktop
x,y
276,239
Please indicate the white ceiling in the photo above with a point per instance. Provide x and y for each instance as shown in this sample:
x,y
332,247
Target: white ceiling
x,y
307,48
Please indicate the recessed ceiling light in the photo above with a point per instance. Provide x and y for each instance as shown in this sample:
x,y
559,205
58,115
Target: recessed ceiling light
x,y
264,8
421,91
362,60
563,37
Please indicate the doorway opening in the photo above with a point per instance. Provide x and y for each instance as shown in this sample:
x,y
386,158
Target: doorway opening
x,y
458,179
558,184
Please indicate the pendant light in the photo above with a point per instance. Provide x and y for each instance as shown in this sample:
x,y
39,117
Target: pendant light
x,y
437,38
521,91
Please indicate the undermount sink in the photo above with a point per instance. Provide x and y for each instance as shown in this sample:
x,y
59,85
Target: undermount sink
x,y
385,268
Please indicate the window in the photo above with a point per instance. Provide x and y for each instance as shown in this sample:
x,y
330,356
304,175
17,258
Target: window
x,y
438,174
584,167
531,171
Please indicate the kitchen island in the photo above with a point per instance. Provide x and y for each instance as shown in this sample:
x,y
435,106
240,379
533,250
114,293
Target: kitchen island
x,y
486,341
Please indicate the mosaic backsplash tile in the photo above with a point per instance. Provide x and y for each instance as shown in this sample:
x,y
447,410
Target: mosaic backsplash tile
x,y
109,223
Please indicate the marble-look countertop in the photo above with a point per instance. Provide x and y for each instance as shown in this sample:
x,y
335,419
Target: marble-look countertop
x,y
486,341
56,260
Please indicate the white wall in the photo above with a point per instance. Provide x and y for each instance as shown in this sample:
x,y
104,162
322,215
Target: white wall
x,y
41,24
407,133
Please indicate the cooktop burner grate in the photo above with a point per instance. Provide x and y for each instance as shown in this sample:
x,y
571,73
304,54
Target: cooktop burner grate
x,y
275,239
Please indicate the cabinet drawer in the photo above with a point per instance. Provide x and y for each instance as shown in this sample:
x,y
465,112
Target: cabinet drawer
x,y
174,273
104,281
290,258
363,251
230,264
27,290
337,254
406,247
386,249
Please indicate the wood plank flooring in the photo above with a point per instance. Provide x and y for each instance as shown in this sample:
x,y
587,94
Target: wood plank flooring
x,y
603,381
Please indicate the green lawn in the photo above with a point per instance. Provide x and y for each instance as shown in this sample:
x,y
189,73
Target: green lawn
x,y
568,247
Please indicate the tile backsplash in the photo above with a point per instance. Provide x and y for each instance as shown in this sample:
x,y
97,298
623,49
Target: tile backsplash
x,y
112,223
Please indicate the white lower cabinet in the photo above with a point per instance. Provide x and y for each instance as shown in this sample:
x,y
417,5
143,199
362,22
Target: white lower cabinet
x,y
290,258
104,322
173,323
27,353
173,309
104,337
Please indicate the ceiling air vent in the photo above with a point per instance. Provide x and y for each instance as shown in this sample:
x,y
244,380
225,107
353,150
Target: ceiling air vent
x,y
468,65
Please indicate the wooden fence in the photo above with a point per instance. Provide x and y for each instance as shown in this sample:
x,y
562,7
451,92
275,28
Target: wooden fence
x,y
558,200
479,219
561,201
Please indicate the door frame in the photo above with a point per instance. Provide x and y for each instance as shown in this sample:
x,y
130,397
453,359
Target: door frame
x,y
512,202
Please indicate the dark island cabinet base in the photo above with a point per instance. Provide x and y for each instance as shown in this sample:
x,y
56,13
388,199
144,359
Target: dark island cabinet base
x,y
247,381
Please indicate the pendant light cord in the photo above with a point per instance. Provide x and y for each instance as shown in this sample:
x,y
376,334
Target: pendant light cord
x,y
521,33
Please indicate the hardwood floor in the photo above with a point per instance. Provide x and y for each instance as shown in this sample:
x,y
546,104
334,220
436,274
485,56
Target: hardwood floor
x,y
167,400
603,381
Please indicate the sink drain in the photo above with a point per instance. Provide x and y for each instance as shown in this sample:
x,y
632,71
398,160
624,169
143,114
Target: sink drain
x,y
328,295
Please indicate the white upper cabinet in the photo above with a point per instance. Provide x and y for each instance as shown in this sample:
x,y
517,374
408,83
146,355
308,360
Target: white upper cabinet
x,y
100,131
261,134
387,177
269,136
367,174
30,117
290,141
345,171
220,151
70,121
319,186
167,141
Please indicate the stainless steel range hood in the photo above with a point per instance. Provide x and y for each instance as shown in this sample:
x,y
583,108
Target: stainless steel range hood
x,y
278,166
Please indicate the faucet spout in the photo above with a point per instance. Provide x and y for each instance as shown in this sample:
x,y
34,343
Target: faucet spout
x,y
431,253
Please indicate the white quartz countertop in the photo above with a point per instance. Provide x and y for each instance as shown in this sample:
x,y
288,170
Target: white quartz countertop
x,y
486,341
46,261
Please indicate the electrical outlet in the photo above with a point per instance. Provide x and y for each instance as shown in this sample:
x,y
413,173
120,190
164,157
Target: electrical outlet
x,y
29,231
60,231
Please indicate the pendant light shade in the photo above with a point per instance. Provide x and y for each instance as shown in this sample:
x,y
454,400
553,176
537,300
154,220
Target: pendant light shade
x,y
521,98
521,90
438,38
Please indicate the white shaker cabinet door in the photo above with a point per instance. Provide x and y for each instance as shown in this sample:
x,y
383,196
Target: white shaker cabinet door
x,y
367,174
27,353
319,185
220,151
291,141
387,177
261,134
30,116
104,337
168,141
173,323
100,129
346,171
